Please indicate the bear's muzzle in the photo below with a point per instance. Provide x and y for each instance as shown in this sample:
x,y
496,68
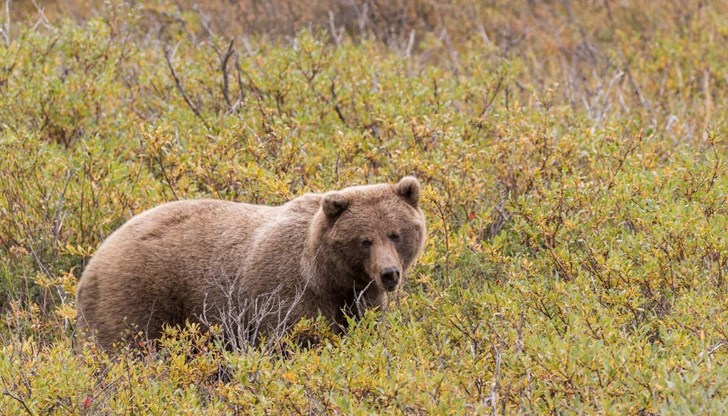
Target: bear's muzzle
x,y
389,277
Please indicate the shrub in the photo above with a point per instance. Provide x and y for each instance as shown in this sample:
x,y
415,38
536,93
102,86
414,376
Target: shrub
x,y
573,162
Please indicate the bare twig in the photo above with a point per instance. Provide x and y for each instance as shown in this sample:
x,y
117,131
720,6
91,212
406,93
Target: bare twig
x,y
452,53
496,380
446,232
6,392
59,215
42,19
159,159
410,44
708,101
169,55
335,100
243,320
336,34
5,30
491,95
224,59
638,90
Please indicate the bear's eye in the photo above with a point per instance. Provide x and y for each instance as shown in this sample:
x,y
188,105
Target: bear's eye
x,y
367,242
394,237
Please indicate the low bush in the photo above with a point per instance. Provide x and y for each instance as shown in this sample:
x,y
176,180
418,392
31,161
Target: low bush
x,y
575,185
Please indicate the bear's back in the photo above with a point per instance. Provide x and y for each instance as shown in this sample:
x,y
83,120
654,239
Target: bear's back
x,y
151,269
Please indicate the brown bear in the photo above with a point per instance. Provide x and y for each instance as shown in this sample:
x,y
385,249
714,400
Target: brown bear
x,y
252,269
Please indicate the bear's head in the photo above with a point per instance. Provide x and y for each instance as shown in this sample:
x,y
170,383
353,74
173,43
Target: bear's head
x,y
368,235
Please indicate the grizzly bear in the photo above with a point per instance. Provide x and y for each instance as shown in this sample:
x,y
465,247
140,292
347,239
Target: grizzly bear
x,y
253,270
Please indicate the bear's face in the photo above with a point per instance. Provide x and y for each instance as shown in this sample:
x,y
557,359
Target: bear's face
x,y
373,234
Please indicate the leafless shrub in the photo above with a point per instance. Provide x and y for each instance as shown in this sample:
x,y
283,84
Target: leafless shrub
x,y
239,321
243,320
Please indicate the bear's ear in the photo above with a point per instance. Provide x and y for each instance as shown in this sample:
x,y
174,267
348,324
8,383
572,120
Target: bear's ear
x,y
409,189
334,204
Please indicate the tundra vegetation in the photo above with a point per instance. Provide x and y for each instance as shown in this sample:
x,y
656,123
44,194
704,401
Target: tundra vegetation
x,y
573,161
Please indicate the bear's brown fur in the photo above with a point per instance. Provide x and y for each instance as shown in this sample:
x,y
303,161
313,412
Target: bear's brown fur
x,y
252,269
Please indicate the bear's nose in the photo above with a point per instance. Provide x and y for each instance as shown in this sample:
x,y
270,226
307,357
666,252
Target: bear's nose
x,y
390,278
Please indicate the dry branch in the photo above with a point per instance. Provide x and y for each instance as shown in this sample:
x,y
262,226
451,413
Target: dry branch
x,y
169,55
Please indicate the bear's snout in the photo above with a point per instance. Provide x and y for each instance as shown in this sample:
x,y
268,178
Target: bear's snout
x,y
390,278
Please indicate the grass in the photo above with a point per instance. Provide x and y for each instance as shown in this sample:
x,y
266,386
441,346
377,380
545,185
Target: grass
x,y
575,185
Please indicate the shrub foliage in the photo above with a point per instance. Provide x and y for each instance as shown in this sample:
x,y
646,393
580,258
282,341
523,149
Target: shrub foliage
x,y
574,162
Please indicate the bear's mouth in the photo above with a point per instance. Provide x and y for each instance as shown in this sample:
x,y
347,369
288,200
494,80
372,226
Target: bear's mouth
x,y
390,286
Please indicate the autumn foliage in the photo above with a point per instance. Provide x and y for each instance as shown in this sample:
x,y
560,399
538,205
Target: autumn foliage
x,y
573,161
